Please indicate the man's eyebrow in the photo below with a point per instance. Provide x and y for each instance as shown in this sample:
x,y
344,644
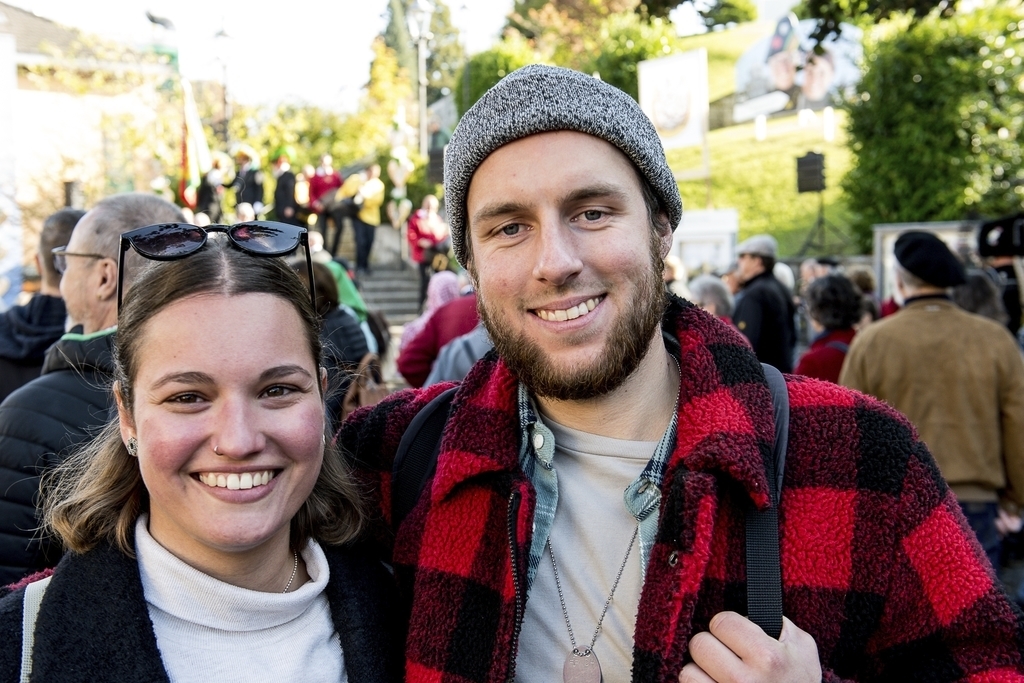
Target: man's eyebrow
x,y
594,191
496,210
597,191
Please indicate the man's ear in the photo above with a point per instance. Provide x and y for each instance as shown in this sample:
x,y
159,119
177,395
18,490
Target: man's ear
x,y
666,235
107,285
124,416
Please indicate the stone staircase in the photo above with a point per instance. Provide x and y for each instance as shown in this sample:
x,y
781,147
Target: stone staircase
x,y
393,290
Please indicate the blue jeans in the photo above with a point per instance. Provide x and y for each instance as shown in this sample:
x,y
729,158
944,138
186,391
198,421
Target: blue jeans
x,y
982,518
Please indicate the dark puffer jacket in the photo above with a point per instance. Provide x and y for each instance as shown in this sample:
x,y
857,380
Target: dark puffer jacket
x,y
40,424
93,623
25,334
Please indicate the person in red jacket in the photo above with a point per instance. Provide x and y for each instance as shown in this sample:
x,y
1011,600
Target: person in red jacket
x,y
322,184
835,305
585,520
454,319
428,239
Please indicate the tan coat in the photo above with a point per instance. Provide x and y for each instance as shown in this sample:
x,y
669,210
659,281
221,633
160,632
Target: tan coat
x,y
959,377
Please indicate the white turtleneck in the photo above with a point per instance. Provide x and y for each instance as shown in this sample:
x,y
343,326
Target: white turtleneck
x,y
208,630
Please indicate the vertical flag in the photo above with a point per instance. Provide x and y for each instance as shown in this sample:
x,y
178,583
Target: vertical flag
x,y
195,152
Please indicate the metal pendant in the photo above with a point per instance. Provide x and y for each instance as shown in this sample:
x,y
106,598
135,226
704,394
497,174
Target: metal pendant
x,y
581,668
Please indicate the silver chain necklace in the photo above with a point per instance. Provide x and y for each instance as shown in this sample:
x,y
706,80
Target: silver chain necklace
x,y
581,666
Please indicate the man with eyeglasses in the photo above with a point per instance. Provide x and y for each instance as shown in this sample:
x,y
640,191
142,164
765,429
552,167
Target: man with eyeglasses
x,y
27,331
51,415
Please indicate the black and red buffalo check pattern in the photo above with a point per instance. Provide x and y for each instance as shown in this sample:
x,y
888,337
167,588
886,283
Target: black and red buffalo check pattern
x,y
878,564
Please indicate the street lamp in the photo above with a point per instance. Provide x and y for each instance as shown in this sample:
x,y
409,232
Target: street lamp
x,y
419,28
223,41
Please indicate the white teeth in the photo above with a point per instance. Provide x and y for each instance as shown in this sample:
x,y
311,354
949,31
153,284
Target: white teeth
x,y
234,482
570,313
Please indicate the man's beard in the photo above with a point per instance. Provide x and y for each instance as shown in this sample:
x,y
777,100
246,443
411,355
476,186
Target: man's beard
x,y
627,344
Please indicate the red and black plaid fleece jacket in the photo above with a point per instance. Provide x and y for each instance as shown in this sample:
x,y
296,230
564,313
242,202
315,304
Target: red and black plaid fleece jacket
x,y
878,563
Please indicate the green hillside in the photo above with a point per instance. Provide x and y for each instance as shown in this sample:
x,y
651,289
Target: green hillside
x,y
759,179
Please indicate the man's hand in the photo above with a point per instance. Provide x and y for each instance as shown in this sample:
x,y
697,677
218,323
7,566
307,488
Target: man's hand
x,y
737,650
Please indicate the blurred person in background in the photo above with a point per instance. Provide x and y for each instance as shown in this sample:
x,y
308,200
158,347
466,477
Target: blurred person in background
x,y
764,310
711,294
442,288
248,181
341,336
453,319
459,355
863,277
286,208
428,241
1009,270
211,191
834,307
367,192
63,408
27,331
323,184
959,377
245,213
981,295
730,276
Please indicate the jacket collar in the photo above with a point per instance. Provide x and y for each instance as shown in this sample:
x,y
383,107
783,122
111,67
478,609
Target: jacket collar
x,y
82,352
725,412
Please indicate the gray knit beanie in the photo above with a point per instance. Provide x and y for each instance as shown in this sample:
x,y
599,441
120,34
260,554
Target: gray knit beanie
x,y
541,99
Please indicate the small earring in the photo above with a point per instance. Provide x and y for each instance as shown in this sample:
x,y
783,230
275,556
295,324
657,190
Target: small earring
x,y
133,447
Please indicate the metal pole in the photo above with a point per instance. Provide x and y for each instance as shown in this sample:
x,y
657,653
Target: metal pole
x,y
224,94
422,50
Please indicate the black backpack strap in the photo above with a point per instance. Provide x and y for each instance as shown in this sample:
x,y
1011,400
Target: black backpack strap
x,y
416,457
838,346
764,572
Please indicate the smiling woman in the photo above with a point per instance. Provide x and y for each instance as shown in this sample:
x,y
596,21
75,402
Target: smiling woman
x,y
212,515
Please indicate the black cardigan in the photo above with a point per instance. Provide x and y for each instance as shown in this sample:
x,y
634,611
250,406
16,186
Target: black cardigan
x,y
94,625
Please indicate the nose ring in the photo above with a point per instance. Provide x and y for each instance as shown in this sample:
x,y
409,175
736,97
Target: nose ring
x,y
215,450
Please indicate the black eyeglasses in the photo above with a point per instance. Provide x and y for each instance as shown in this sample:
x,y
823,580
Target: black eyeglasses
x,y
60,258
173,241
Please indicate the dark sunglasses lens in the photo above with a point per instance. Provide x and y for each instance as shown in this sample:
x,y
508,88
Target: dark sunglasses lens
x,y
266,238
168,241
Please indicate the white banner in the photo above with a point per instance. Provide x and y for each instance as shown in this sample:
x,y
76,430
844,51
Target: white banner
x,y
706,240
674,95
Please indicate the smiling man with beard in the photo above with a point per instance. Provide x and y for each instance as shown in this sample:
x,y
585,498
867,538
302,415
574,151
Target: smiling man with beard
x,y
585,520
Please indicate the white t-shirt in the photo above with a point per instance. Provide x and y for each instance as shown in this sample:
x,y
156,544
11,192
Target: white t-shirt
x,y
590,534
208,630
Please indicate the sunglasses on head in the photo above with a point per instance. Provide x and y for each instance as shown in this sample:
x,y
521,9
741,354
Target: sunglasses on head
x,y
173,241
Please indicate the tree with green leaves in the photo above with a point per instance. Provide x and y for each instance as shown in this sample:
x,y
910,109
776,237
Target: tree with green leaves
x,y
484,69
938,118
445,51
724,12
626,40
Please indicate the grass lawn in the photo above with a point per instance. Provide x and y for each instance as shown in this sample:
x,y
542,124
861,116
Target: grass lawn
x,y
759,180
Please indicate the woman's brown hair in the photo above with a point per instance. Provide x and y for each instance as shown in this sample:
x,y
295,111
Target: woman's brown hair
x,y
97,494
